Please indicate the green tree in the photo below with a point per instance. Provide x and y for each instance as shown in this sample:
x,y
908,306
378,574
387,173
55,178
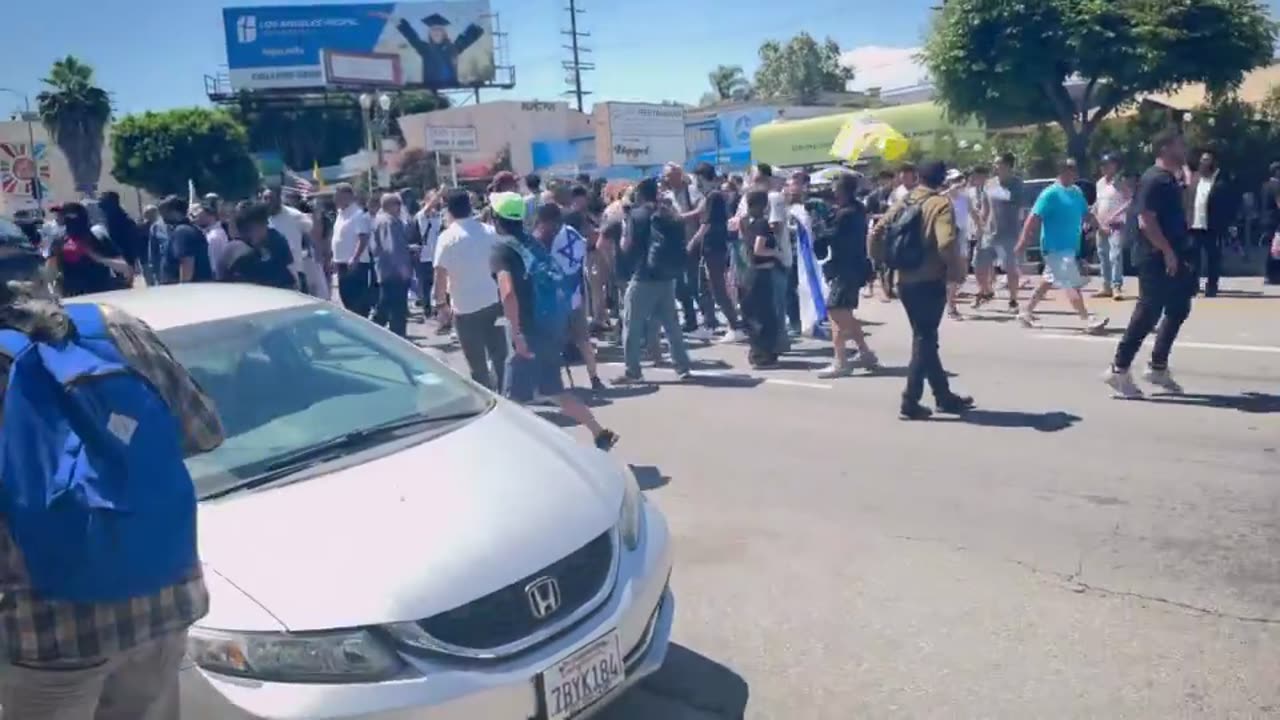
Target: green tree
x,y
1001,59
75,111
160,152
417,170
728,84
801,69
310,132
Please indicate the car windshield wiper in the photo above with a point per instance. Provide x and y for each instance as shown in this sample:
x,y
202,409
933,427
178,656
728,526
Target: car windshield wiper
x,y
325,450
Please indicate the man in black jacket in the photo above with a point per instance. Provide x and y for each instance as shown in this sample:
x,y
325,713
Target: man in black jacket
x,y
1214,204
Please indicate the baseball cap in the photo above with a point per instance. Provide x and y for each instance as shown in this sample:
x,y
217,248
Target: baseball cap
x,y
507,205
954,175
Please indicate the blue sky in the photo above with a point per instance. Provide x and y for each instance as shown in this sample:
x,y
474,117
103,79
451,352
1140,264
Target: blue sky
x,y
153,54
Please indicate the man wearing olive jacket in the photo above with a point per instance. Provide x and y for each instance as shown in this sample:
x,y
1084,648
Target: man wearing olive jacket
x,y
923,291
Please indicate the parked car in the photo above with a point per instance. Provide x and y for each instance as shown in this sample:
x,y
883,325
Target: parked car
x,y
384,539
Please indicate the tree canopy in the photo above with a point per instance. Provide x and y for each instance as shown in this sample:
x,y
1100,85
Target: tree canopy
x,y
160,152
728,84
75,111
1003,59
307,134
800,70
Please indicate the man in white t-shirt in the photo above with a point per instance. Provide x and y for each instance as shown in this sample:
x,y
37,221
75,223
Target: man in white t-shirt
x,y
294,225
207,220
1111,209
464,290
688,200
351,230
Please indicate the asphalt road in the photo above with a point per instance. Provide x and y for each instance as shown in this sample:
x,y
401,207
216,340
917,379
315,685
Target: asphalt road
x,y
1055,554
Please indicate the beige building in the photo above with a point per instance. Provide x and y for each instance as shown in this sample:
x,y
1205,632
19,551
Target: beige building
x,y
501,124
18,165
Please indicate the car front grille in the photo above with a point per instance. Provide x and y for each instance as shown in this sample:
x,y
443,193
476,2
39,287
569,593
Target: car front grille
x,y
504,621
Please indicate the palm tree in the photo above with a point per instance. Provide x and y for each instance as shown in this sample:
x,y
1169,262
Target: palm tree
x,y
76,113
729,83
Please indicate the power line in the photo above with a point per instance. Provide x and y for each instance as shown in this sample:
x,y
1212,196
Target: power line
x,y
574,67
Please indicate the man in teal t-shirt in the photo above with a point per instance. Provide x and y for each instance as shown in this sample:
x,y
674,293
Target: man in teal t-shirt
x,y
1058,217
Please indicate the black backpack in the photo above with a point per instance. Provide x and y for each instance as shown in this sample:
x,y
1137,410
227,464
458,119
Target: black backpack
x,y
904,238
667,255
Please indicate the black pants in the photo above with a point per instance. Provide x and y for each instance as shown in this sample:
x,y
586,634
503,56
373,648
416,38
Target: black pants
x,y
687,293
484,345
1209,242
393,305
714,285
356,287
426,278
793,291
924,303
760,311
1162,299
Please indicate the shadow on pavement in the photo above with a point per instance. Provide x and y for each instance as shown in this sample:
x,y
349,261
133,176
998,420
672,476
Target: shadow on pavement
x,y
650,477
1042,422
1250,402
688,687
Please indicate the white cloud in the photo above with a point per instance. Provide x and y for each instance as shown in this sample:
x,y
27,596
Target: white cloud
x,y
884,67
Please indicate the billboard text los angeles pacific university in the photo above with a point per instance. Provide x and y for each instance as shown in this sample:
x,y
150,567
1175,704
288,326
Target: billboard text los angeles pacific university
x,y
439,44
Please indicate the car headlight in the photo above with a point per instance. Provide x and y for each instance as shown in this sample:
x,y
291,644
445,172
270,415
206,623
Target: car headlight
x,y
631,517
346,656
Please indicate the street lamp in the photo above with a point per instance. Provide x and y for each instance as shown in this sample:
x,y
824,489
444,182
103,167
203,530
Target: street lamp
x,y
31,146
376,112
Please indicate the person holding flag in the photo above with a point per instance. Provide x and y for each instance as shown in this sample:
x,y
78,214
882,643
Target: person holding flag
x,y
847,268
569,250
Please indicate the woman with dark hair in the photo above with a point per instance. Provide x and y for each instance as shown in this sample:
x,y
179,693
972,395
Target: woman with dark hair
x,y
757,292
85,260
847,269
712,240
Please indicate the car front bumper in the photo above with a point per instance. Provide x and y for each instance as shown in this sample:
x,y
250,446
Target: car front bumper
x,y
641,608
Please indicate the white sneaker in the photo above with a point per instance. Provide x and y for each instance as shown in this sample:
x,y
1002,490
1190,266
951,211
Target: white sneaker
x,y
733,336
1162,379
1122,384
866,361
1095,325
835,371
1028,320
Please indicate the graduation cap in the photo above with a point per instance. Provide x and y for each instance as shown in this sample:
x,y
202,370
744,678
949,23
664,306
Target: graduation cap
x,y
435,20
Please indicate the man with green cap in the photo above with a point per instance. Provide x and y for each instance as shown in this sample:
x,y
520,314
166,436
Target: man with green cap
x,y
536,302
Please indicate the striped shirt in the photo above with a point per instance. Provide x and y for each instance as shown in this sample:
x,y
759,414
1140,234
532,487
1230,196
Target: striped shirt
x,y
41,631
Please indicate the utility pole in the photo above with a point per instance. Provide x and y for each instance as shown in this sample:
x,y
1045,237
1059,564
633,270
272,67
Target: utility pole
x,y
575,66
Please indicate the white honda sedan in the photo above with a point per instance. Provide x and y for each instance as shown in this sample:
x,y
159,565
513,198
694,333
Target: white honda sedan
x,y
384,540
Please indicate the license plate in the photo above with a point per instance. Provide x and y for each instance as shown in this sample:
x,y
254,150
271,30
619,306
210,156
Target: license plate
x,y
577,682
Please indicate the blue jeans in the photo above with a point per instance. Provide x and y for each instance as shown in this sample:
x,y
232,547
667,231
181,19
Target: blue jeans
x,y
647,304
1111,256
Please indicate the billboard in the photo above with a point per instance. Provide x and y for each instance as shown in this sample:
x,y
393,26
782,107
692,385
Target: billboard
x,y
436,45
639,134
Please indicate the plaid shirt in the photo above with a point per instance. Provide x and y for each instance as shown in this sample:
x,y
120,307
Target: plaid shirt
x,y
35,630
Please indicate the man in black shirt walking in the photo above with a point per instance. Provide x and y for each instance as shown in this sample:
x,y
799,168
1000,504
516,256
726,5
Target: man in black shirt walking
x,y
1167,278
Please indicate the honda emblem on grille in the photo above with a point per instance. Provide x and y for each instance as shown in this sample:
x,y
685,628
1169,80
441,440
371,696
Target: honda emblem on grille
x,y
544,596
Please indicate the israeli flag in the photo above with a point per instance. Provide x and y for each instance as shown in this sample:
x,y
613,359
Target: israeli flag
x,y
812,287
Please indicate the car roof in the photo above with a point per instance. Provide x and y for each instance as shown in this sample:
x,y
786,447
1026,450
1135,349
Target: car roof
x,y
172,306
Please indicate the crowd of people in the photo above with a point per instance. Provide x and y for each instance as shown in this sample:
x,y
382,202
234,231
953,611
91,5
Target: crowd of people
x,y
684,256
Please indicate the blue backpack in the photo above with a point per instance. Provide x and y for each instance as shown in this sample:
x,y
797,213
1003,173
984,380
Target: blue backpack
x,y
552,289
92,480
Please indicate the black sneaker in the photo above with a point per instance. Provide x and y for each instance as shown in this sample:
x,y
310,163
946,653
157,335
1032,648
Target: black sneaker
x,y
1014,308
597,384
955,405
606,440
915,412
628,379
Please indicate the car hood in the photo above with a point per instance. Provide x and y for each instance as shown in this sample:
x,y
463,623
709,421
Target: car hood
x,y
418,532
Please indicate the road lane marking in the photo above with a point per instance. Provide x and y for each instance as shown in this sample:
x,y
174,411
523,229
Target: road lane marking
x,y
1179,344
798,383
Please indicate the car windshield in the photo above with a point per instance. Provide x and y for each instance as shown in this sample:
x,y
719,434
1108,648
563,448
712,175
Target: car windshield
x,y
288,380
